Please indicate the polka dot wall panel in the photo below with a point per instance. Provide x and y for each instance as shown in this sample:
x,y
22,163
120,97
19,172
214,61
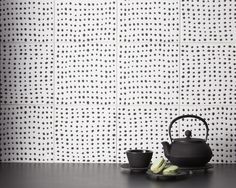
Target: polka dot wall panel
x,y
27,73
86,80
148,20
27,20
86,74
222,130
144,128
208,74
85,134
148,74
26,133
85,21
208,21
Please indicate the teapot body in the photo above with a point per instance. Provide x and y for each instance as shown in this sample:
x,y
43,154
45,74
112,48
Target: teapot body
x,y
189,154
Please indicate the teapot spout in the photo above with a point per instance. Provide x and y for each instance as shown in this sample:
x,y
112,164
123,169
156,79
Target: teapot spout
x,y
166,147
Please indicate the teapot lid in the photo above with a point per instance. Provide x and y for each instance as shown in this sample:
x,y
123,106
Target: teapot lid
x,y
188,138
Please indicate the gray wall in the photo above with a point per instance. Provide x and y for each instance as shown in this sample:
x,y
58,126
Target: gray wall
x,y
85,80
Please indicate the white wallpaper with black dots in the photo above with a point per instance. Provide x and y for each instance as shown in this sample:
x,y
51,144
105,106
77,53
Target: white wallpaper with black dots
x,y
27,21
85,134
86,80
26,133
27,73
85,74
148,74
144,127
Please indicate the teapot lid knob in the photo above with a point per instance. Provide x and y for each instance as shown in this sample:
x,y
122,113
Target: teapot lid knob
x,y
188,134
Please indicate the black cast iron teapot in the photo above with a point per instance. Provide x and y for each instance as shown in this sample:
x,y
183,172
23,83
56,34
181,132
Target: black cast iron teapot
x,y
188,152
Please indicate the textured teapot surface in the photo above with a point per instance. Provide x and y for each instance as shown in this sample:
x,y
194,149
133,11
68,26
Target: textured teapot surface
x,y
190,149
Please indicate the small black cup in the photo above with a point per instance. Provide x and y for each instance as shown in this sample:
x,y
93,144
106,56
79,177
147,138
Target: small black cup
x,y
139,158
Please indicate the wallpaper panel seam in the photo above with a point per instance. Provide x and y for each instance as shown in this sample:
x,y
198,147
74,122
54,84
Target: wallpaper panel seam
x,y
117,76
179,73
54,77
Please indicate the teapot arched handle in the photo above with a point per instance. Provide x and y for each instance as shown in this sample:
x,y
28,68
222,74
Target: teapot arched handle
x,y
188,116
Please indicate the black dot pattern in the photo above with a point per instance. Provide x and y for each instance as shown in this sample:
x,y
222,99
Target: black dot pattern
x,y
208,21
26,21
86,74
85,21
148,21
166,21
26,133
148,74
26,74
208,74
86,134
86,80
145,128
221,122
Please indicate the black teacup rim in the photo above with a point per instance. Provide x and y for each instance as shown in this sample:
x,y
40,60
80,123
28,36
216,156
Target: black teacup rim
x,y
139,151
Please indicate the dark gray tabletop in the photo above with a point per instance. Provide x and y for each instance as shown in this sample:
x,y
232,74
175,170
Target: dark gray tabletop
x,y
104,176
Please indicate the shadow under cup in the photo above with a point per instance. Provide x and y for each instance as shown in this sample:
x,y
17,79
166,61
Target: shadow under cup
x,y
139,158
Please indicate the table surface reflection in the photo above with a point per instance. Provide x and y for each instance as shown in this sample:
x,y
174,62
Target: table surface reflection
x,y
58,175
